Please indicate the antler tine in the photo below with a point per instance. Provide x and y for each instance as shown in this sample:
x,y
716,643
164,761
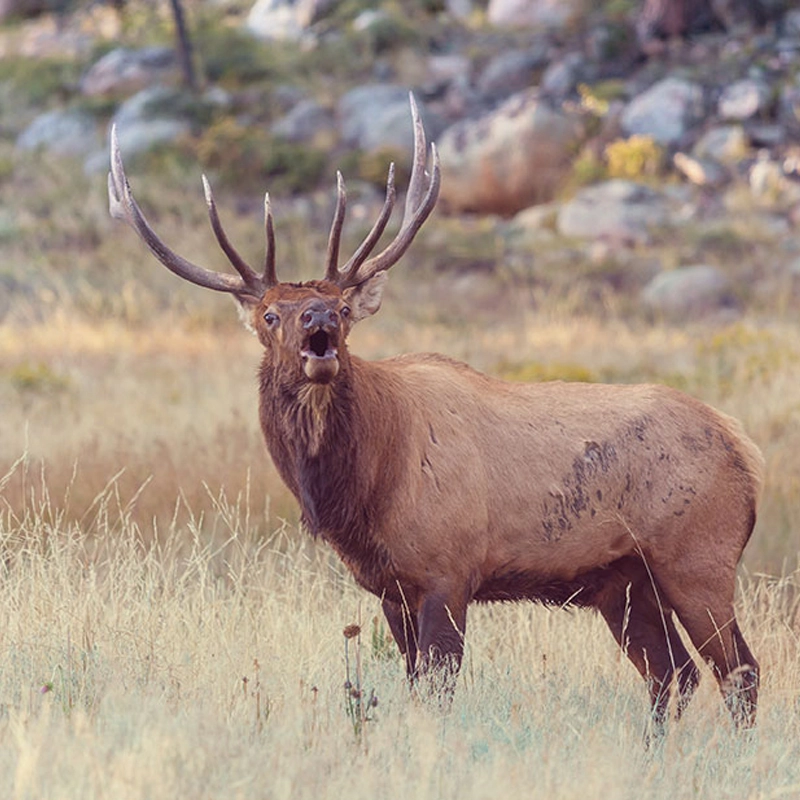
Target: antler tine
x,y
423,192
270,276
416,183
251,278
332,258
350,269
408,230
123,206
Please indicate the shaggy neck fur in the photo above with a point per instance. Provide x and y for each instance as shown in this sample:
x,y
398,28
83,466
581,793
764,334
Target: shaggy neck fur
x,y
314,434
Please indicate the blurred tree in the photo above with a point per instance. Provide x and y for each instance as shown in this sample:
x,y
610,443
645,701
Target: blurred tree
x,y
184,45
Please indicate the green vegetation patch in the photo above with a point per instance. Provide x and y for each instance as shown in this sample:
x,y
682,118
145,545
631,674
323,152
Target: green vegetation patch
x,y
37,377
39,80
634,158
248,157
539,372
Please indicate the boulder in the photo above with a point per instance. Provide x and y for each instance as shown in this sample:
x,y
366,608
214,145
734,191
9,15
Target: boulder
x,y
700,171
306,122
143,122
617,210
727,144
534,13
125,71
562,76
377,116
285,19
665,111
510,71
743,99
66,133
508,159
689,292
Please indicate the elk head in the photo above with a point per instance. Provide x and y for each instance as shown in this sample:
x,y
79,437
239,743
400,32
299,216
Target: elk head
x,y
303,326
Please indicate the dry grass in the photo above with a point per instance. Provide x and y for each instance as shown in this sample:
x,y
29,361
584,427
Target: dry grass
x,y
170,407
211,664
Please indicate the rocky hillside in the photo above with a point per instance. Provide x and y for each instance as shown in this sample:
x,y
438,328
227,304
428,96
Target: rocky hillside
x,y
669,174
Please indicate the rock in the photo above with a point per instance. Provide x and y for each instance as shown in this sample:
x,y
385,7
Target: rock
x,y
459,9
9,9
534,13
65,133
726,144
531,227
743,99
274,19
665,111
562,76
152,103
769,183
700,171
509,72
285,19
789,104
377,116
143,121
766,134
689,292
307,121
124,71
445,69
618,210
311,11
791,22
508,159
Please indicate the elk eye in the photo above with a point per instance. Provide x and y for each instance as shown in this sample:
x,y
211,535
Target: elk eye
x,y
345,312
271,319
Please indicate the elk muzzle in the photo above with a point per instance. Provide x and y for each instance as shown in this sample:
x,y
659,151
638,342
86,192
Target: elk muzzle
x,y
320,352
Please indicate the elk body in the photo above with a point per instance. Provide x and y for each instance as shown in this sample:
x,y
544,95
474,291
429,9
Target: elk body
x,y
439,486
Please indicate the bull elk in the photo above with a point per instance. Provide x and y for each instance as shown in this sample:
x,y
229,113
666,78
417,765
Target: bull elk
x,y
439,486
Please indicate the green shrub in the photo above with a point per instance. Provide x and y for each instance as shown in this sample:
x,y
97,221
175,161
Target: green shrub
x,y
249,158
39,80
634,157
38,377
538,372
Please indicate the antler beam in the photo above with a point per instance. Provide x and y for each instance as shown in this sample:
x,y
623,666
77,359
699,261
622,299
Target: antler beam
x,y
423,192
123,206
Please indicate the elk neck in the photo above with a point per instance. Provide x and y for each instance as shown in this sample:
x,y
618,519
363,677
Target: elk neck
x,y
330,443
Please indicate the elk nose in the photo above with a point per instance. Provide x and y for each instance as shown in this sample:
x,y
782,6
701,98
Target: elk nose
x,y
320,318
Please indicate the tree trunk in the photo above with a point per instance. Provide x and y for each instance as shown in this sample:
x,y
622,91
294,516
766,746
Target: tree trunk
x,y
184,45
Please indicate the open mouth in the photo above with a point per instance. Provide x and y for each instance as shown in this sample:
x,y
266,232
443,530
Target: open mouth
x,y
320,357
319,345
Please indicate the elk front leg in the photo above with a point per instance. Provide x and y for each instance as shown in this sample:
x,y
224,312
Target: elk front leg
x,y
403,625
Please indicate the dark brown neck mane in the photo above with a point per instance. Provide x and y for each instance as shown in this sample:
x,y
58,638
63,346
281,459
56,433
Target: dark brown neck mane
x,y
328,444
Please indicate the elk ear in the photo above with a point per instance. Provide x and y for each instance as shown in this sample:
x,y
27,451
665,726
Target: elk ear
x,y
365,298
247,306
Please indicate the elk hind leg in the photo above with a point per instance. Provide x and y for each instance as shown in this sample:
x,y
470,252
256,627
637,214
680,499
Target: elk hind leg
x,y
644,629
703,602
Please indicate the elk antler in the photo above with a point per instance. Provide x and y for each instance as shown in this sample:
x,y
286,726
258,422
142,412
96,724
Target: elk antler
x,y
122,205
423,191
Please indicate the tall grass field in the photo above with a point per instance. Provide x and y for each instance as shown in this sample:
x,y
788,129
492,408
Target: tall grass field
x,y
167,630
